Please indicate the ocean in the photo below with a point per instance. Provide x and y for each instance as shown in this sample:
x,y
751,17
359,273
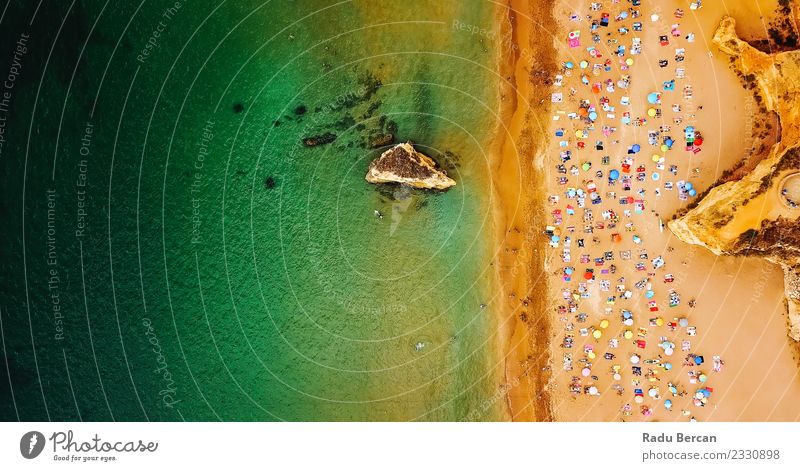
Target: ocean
x,y
174,251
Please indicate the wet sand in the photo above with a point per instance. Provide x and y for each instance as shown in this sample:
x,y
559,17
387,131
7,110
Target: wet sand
x,y
524,323
740,308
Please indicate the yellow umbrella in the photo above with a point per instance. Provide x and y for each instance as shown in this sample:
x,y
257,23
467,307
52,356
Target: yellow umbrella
x,y
664,147
656,157
659,321
629,61
651,112
597,334
604,324
628,334
591,355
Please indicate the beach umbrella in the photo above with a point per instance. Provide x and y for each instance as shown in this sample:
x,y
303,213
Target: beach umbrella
x,y
593,116
664,147
635,359
625,120
705,392
683,322
698,141
698,360
653,392
649,294
688,186
568,271
653,98
636,148
555,238
669,142
659,321
654,17
569,65
588,275
586,372
586,166
668,404
597,334
584,64
629,61
637,239
668,351
651,112
617,377
604,324
655,158
667,366
628,334
591,355
703,378
614,174
692,192
655,176
638,399
673,390
593,390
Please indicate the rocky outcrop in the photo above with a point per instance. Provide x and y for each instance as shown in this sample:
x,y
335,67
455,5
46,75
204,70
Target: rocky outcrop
x,y
403,164
750,216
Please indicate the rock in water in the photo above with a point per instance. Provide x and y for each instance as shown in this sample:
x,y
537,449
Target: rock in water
x,y
402,164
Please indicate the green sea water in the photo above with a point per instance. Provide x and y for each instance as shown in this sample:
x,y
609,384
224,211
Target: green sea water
x,y
171,249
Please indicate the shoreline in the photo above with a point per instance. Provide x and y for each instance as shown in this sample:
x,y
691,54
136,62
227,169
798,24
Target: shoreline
x,y
524,322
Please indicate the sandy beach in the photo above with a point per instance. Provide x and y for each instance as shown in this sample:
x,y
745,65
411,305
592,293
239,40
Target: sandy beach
x,y
524,332
737,304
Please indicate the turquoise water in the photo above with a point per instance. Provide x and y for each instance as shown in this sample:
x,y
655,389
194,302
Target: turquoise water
x,y
173,251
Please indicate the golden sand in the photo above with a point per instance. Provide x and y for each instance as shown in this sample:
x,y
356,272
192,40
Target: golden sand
x,y
524,321
739,301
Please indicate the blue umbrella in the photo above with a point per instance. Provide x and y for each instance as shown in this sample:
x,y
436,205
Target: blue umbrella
x,y
593,116
692,192
569,65
689,186
613,175
636,148
652,98
698,360
668,404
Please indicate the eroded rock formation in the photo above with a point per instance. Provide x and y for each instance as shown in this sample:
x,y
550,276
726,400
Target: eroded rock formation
x,y
403,164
